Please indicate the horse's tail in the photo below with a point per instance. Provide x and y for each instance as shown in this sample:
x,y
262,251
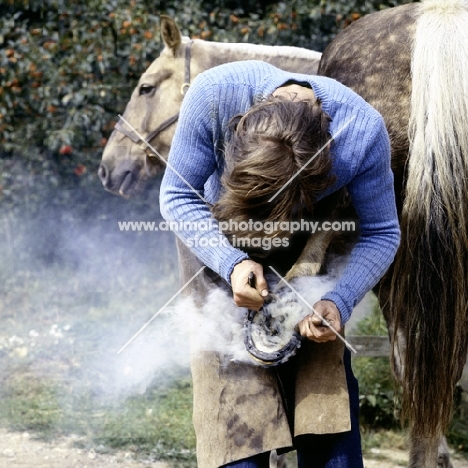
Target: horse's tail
x,y
430,286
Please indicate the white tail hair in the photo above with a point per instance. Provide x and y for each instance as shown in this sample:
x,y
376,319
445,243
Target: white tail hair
x,y
430,288
438,128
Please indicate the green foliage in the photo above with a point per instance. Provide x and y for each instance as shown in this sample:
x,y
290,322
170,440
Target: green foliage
x,y
157,424
458,431
379,391
60,371
29,403
303,23
68,67
376,383
64,66
158,421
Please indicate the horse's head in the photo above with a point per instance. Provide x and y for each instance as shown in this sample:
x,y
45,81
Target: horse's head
x,y
139,145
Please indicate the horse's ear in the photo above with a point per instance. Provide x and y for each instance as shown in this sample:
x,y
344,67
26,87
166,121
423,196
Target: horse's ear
x,y
170,33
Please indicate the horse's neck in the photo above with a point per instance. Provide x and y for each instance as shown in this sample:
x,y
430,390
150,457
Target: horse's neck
x,y
294,59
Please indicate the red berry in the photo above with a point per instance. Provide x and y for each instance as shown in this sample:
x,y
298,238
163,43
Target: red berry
x,y
80,170
66,149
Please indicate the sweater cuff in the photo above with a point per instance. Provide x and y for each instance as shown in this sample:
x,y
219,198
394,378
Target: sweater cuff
x,y
344,307
228,264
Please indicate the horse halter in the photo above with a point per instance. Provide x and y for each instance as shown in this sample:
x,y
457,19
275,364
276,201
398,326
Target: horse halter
x,y
144,141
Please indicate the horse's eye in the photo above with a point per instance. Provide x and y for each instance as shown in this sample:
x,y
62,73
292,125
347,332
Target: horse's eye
x,y
146,89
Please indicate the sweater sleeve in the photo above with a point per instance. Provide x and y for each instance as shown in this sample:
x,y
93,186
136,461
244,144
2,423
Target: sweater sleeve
x,y
191,162
372,195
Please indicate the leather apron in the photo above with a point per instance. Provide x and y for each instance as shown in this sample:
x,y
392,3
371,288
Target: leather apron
x,y
240,410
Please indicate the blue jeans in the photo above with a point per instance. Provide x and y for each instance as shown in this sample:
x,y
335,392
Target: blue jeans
x,y
341,450
261,460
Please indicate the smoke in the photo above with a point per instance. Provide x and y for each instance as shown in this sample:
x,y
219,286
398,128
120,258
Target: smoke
x,y
162,350
159,348
75,288
95,287
219,325
156,356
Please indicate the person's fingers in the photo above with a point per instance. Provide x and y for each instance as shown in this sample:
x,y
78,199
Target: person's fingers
x,y
244,294
316,329
260,282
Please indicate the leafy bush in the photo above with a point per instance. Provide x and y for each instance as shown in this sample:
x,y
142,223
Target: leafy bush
x,y
67,67
458,431
376,383
379,392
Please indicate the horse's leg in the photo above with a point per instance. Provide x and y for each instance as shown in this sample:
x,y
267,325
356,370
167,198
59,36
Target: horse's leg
x,y
429,453
443,459
424,452
277,461
336,206
311,259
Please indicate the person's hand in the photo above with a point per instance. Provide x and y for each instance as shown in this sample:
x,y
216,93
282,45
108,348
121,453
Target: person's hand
x,y
245,295
314,329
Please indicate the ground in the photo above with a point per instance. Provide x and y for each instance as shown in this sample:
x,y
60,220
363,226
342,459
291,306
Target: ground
x,y
21,450
386,458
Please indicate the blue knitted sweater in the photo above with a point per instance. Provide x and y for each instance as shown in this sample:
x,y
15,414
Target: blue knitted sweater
x,y
361,161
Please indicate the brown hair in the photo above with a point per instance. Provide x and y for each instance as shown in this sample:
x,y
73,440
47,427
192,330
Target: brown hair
x,y
277,143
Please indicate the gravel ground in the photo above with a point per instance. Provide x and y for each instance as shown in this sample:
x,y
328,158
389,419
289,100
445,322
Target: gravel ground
x,y
20,450
386,458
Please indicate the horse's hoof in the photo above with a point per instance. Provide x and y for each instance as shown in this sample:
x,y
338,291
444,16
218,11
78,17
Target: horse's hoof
x,y
443,461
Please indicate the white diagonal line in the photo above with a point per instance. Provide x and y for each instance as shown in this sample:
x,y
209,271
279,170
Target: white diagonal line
x,y
311,159
181,177
348,345
161,309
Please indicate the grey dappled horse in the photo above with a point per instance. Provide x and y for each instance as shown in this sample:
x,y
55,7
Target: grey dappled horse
x,y
411,64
